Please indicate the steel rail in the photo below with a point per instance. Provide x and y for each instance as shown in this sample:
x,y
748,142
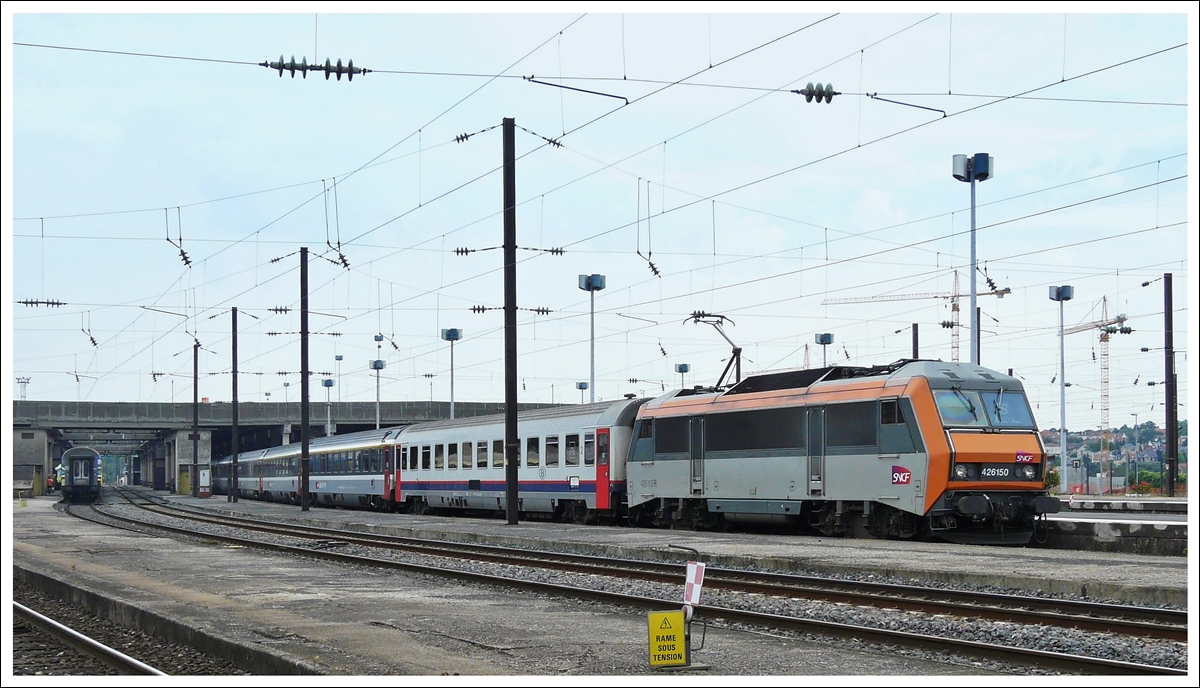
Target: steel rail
x,y
119,662
1167,624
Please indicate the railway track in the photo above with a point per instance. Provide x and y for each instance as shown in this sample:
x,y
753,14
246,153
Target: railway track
x,y
64,651
1149,622
325,543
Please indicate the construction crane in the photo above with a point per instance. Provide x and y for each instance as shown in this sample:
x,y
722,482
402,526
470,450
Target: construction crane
x,y
1107,326
954,296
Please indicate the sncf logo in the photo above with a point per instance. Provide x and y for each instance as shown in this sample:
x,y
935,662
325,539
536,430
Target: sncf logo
x,y
901,475
1022,457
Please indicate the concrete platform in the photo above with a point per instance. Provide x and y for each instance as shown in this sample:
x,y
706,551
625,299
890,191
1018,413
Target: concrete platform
x,y
1148,505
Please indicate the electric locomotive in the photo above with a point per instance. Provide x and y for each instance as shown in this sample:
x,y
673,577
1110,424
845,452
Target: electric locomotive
x,y
912,449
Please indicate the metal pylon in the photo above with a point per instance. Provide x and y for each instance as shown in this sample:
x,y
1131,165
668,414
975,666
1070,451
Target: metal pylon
x,y
954,319
1105,429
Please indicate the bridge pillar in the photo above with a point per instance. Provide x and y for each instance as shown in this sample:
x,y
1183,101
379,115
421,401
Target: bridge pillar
x,y
181,440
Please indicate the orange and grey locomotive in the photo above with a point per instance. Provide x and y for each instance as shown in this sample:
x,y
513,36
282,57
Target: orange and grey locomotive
x,y
912,449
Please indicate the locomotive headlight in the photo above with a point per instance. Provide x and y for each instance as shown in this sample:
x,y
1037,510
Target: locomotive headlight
x,y
1029,472
960,472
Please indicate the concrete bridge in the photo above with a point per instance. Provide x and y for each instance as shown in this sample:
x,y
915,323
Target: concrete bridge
x,y
155,438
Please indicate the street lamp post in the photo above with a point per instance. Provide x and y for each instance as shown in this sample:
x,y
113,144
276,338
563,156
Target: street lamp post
x,y
1061,295
581,386
979,167
327,383
592,284
824,339
682,368
338,364
452,335
287,416
377,365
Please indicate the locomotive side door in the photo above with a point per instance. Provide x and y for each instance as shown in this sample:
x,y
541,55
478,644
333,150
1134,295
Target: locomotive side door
x,y
816,451
696,453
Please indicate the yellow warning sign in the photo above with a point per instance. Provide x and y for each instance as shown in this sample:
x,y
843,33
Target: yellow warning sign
x,y
668,646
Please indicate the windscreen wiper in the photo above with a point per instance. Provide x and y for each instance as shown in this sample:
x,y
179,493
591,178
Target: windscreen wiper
x,y
970,406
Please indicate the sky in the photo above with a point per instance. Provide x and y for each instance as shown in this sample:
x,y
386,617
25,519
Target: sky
x,y
157,175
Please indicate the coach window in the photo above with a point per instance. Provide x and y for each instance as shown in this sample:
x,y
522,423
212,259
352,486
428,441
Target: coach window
x,y
533,455
497,453
452,456
572,450
481,456
466,456
551,451
589,449
426,455
850,425
439,456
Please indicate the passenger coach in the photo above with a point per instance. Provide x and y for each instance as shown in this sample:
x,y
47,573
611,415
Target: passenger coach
x,y
571,462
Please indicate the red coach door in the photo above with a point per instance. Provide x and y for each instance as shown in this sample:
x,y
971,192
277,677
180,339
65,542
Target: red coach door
x,y
602,460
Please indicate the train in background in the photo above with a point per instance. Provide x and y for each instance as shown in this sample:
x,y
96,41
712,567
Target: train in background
x,y
914,449
81,474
